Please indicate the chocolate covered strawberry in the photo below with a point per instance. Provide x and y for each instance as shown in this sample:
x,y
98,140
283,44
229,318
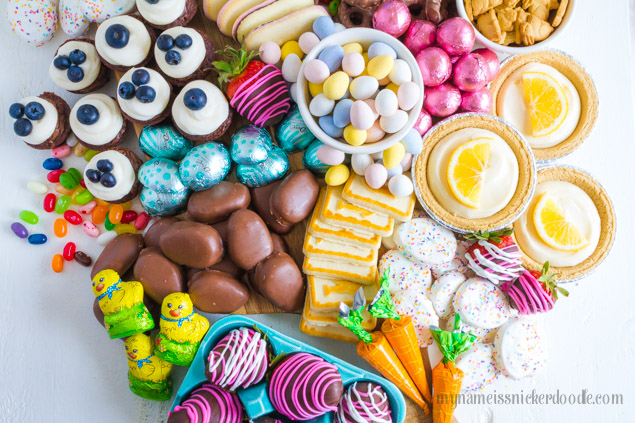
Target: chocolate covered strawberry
x,y
494,255
256,90
535,291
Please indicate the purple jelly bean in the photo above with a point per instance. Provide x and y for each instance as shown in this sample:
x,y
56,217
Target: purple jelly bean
x,y
19,230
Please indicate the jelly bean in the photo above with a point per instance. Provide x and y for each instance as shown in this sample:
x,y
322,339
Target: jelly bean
x,y
393,155
126,206
128,216
307,41
90,229
62,204
88,207
315,89
332,56
125,228
76,174
99,214
84,197
89,154
316,71
71,141
49,202
323,27
59,188
379,67
73,217
336,85
353,63
106,237
115,214
60,228
108,224
364,87
69,251
29,217
67,181
401,72
36,187
337,175
57,263
321,105
83,258
379,49
103,203
354,136
82,183
329,128
80,150
141,221
19,230
75,193
353,47
342,113
54,175
52,164
37,239
61,151
291,47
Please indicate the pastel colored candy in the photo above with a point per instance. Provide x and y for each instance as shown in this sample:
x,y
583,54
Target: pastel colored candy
x,y
332,56
316,71
292,133
100,10
250,144
458,263
404,274
327,125
310,160
360,162
307,41
330,156
482,304
265,172
163,204
342,113
415,303
393,171
353,63
413,142
426,241
520,348
336,86
361,116
205,166
72,20
291,67
400,185
164,141
270,52
393,123
321,105
479,367
323,27
442,292
34,21
379,49
364,87
161,175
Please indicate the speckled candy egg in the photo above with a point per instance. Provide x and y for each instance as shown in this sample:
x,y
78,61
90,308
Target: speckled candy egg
x,y
250,145
310,160
34,21
386,103
393,123
342,113
292,133
330,156
316,71
291,67
400,186
205,166
265,172
375,133
361,116
164,141
376,175
400,72
321,105
269,52
408,95
353,63
307,41
161,175
100,10
363,87
163,204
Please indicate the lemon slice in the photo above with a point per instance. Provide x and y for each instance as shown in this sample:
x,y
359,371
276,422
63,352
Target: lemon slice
x,y
465,170
546,103
553,227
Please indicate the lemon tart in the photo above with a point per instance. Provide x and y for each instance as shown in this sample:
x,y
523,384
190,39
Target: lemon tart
x,y
549,97
570,223
475,172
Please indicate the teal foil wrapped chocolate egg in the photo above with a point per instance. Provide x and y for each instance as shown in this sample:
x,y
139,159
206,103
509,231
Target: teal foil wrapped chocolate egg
x,y
292,134
266,172
164,141
250,145
163,204
205,166
310,160
161,175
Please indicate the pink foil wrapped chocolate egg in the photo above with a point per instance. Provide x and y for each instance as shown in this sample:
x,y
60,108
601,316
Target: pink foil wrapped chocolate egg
x,y
424,121
442,101
392,17
435,66
420,35
471,72
479,101
456,36
492,61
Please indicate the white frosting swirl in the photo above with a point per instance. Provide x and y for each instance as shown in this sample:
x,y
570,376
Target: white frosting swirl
x,y
131,54
43,128
107,126
206,120
146,111
91,66
191,58
162,12
122,171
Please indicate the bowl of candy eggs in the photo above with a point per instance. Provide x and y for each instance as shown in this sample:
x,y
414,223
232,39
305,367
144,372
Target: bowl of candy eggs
x,y
359,91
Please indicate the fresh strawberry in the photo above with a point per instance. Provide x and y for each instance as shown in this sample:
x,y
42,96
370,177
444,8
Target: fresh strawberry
x,y
500,239
236,69
548,282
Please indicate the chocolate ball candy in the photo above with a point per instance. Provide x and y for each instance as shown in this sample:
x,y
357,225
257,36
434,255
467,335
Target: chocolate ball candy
x,y
158,275
279,280
294,198
217,203
120,254
217,292
249,239
154,232
192,244
261,200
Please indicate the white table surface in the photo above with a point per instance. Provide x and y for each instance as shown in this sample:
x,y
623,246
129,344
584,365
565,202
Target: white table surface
x,y
58,365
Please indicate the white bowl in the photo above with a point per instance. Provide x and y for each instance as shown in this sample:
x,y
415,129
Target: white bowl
x,y
365,37
460,7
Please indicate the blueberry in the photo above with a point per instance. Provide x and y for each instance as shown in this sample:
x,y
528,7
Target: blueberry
x,y
165,42
146,94
77,57
104,165
93,175
140,77
22,127
183,41
16,110
75,73
173,57
61,62
117,36
108,180
126,90
195,99
34,110
87,114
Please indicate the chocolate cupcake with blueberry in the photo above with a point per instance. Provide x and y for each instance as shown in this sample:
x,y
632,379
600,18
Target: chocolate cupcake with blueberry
x,y
201,112
163,14
124,42
97,122
144,96
112,175
41,122
77,68
183,55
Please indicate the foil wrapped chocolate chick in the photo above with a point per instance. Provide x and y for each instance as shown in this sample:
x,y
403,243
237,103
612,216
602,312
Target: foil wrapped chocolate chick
x,y
148,375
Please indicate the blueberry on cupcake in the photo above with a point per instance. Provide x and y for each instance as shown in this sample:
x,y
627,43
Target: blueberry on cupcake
x,y
201,112
77,68
41,122
143,96
183,55
97,122
112,175
123,42
164,14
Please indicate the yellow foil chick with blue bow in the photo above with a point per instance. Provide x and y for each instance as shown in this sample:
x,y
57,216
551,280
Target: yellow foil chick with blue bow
x,y
148,375
181,330
122,305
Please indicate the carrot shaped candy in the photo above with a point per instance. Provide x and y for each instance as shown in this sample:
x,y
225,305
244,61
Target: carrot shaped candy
x,y
446,377
375,349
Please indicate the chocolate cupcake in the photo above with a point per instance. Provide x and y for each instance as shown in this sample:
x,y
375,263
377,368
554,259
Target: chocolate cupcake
x,y
200,112
123,42
208,404
144,96
183,55
163,14
112,175
41,122
364,402
77,68
97,122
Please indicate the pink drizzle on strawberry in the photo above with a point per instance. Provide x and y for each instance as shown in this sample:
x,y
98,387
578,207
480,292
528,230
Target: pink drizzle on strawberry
x,y
528,294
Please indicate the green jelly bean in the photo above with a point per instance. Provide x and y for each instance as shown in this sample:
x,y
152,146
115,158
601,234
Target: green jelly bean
x,y
29,217
67,181
62,204
109,226
90,154
75,174
84,197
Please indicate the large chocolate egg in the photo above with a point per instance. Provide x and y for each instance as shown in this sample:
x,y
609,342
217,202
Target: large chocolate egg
x,y
205,166
294,198
261,199
154,232
217,292
249,239
161,175
158,275
192,244
119,255
265,172
279,280
217,203
292,133
163,204
250,144
164,141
